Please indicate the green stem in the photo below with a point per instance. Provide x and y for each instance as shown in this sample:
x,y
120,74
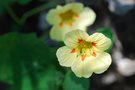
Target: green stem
x,y
26,15
37,10
12,14
69,1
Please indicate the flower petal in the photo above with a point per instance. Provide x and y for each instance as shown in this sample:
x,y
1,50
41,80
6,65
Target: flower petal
x,y
58,33
71,38
101,42
98,64
87,17
81,68
53,15
65,57
101,63
77,7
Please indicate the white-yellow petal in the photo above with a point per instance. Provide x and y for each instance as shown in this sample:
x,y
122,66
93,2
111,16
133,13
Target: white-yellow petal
x,y
76,7
65,57
71,38
81,68
102,42
58,33
87,17
59,7
101,63
98,64
53,15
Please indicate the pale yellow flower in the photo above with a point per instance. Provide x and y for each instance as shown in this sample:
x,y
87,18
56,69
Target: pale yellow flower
x,y
85,54
69,17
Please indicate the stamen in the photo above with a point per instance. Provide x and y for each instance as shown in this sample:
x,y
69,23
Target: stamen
x,y
73,50
84,48
93,54
80,40
71,24
61,24
68,17
94,43
77,15
83,57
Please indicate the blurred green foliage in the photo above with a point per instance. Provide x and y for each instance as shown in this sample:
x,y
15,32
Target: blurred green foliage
x,y
1,10
18,52
48,79
4,2
22,2
72,82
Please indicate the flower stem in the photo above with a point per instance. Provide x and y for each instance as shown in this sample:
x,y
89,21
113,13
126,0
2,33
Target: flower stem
x,y
26,15
69,1
12,14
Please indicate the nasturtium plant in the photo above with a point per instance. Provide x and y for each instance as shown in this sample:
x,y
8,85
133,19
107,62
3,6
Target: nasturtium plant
x,y
84,53
5,2
23,2
108,33
9,2
71,82
6,73
70,17
48,79
20,51
28,63
1,10
26,83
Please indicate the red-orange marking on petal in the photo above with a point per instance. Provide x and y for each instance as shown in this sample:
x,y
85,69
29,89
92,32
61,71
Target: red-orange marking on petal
x,y
61,24
93,54
73,50
94,43
80,40
71,24
83,57
77,15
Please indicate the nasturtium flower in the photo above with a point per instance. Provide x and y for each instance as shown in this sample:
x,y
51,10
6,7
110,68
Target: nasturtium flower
x,y
69,17
85,54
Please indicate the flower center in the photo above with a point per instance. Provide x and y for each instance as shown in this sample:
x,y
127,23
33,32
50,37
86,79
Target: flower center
x,y
83,44
84,49
68,17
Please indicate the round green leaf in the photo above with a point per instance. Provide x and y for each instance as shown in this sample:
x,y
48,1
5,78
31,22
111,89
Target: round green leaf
x,y
72,82
17,50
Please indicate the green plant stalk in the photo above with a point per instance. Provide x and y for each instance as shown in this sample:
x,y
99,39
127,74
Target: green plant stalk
x,y
26,15
69,1
12,14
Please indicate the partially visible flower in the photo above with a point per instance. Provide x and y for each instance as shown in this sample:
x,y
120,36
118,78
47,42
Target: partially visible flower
x,y
69,17
85,54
